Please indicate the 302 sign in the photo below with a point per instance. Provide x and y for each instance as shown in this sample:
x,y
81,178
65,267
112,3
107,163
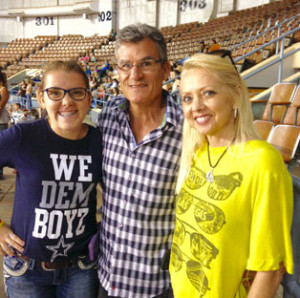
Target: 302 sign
x,y
104,16
192,4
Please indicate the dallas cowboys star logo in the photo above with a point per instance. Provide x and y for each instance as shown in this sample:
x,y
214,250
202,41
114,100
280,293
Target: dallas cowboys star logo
x,y
60,249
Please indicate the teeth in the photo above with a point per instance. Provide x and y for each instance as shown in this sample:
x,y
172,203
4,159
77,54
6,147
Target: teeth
x,y
202,119
136,86
67,114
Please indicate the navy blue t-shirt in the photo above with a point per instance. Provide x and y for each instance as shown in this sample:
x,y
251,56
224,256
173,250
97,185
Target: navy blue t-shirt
x,y
55,198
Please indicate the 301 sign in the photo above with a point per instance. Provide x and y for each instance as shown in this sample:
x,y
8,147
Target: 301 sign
x,y
39,21
192,4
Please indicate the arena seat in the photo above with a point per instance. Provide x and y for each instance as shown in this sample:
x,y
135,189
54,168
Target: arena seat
x,y
264,128
278,102
285,138
292,115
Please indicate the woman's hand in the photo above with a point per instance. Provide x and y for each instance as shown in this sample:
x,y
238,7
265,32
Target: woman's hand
x,y
9,240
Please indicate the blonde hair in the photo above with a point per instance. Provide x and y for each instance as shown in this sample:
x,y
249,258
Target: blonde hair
x,y
227,74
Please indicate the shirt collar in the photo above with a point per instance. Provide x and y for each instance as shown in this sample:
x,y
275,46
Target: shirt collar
x,y
173,113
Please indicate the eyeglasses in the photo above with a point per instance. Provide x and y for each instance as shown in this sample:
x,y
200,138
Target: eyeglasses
x,y
56,94
224,54
145,65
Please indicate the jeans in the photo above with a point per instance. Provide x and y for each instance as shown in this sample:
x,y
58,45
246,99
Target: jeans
x,y
28,102
23,102
24,279
3,126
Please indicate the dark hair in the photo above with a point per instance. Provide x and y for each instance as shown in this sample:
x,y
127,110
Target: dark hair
x,y
137,32
3,78
67,66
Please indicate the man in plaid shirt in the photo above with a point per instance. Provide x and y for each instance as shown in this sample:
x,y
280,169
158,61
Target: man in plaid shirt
x,y
141,134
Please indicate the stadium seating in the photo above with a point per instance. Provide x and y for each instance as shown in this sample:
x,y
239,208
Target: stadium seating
x,y
264,128
292,116
278,102
285,138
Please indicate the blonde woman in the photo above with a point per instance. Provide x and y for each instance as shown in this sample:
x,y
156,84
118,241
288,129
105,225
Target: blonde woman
x,y
234,208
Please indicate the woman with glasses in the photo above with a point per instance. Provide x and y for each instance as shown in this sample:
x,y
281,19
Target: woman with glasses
x,y
234,204
58,163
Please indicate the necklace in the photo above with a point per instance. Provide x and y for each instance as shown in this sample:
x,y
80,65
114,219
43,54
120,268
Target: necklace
x,y
209,175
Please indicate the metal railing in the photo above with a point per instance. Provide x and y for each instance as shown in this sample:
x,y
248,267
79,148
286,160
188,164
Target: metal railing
x,y
279,40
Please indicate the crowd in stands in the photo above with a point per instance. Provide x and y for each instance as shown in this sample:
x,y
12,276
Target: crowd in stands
x,y
96,53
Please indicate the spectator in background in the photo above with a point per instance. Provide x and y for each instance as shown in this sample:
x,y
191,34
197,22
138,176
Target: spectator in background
x,y
176,76
107,82
214,46
93,58
114,84
4,115
16,113
202,47
33,115
28,94
22,93
115,92
112,35
93,83
88,70
141,134
104,69
85,58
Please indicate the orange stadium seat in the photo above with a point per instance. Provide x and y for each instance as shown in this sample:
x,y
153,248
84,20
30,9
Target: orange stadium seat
x,y
285,138
292,116
278,102
263,128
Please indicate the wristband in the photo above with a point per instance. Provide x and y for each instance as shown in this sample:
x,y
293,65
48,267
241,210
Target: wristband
x,y
1,223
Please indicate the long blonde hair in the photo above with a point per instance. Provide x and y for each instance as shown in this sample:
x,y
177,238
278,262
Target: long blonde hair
x,y
227,74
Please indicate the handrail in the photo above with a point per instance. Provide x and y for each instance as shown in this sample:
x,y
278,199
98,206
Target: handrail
x,y
264,32
266,44
280,59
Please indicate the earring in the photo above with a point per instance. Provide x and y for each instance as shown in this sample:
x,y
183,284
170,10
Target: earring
x,y
235,111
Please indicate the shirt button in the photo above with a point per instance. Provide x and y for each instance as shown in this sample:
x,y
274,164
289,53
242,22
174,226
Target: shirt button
x,y
121,226
129,177
132,155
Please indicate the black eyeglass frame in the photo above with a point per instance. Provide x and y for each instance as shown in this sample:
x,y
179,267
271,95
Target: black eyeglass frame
x,y
138,65
223,54
67,91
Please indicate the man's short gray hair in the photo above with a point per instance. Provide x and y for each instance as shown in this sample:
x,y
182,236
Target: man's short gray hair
x,y
137,32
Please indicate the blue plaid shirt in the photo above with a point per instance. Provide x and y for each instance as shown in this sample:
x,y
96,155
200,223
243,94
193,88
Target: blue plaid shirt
x,y
138,212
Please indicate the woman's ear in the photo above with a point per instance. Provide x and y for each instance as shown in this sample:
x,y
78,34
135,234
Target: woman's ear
x,y
239,90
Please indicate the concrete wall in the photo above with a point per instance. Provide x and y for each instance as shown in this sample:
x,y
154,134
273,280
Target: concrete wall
x,y
28,18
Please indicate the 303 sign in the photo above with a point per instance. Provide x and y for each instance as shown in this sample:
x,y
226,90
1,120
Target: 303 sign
x,y
192,4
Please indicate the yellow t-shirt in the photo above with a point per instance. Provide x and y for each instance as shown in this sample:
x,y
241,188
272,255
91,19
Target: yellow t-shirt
x,y
239,221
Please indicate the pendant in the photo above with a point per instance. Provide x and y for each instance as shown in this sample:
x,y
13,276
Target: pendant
x,y
209,176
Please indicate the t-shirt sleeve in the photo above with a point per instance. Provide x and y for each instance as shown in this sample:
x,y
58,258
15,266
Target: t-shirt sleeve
x,y
272,211
9,141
